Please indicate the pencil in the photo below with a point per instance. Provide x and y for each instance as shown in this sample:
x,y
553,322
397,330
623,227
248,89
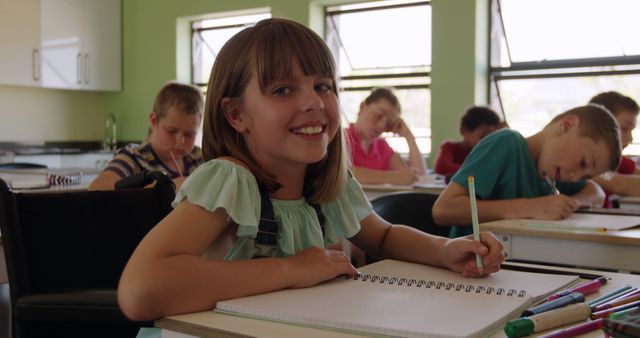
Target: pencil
x,y
552,185
474,218
173,158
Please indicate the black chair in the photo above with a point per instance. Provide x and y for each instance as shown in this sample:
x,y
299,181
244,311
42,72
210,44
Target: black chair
x,y
410,208
65,252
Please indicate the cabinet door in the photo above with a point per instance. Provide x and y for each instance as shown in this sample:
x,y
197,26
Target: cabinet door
x,y
62,60
20,42
101,45
81,44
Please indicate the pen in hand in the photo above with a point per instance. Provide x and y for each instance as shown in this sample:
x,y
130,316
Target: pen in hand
x,y
173,158
474,218
552,185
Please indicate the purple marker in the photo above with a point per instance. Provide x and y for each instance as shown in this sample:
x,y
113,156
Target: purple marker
x,y
577,329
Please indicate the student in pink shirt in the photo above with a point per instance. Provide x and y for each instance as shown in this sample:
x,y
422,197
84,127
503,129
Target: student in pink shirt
x,y
373,160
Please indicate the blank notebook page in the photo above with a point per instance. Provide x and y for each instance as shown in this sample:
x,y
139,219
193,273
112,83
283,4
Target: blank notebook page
x,y
404,299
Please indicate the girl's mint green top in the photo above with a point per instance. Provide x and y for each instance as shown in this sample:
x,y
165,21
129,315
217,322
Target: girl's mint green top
x,y
224,184
227,185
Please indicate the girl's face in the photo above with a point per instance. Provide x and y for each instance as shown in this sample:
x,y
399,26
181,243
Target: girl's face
x,y
173,134
291,123
375,118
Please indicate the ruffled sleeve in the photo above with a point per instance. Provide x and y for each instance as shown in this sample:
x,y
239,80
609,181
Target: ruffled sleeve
x,y
345,213
224,184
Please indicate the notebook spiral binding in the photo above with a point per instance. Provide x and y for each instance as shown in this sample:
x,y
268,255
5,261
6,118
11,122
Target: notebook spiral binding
x,y
438,285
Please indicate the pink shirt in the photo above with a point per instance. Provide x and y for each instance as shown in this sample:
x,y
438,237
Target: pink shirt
x,y
379,154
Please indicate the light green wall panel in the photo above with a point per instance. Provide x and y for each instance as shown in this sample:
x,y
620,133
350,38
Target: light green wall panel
x,y
149,55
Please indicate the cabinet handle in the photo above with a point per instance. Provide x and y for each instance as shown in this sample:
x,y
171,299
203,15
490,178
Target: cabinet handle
x,y
79,68
86,68
35,62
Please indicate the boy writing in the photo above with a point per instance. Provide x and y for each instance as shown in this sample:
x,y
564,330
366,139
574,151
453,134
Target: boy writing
x,y
513,174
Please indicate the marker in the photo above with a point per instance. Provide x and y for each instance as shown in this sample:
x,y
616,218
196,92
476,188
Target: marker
x,y
617,302
584,288
609,296
474,218
577,329
617,315
524,326
574,297
607,312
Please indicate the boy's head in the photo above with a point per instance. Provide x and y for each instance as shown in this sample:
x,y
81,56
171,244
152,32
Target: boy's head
x,y
580,143
476,123
267,52
625,110
175,119
379,112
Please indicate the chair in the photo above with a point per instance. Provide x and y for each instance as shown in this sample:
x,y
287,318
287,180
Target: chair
x,y
410,208
65,252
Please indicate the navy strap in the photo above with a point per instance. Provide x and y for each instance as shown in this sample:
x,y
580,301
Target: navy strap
x,y
268,226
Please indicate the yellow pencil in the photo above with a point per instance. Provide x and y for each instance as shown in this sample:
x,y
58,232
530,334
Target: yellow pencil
x,y
474,218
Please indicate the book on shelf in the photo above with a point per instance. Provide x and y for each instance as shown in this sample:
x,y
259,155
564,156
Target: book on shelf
x,y
395,298
39,178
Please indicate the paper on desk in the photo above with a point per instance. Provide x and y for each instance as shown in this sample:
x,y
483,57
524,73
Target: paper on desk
x,y
579,222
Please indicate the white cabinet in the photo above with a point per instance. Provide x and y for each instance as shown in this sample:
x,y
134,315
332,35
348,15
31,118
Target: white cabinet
x,y
66,44
20,42
81,44
95,160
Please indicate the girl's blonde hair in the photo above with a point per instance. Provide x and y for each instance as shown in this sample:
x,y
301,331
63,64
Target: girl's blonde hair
x,y
268,50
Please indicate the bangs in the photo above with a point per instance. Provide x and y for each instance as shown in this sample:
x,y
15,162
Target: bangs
x,y
281,43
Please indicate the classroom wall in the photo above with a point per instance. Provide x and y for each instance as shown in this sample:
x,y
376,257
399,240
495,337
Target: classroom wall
x,y
149,60
149,45
34,115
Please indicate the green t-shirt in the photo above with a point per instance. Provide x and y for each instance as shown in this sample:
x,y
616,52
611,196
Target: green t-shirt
x,y
503,168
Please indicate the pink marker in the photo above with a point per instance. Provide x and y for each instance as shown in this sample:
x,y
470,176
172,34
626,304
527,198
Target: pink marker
x,y
577,329
584,288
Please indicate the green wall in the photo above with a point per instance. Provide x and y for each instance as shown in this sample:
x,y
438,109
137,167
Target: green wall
x,y
149,55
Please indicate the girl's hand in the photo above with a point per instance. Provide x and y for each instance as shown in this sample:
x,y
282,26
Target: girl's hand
x,y
404,176
460,255
315,265
401,129
552,207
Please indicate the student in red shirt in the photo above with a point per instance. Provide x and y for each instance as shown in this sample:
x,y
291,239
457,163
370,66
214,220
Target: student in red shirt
x,y
625,182
476,123
372,159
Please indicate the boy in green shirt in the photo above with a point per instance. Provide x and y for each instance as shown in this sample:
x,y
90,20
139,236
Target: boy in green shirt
x,y
511,172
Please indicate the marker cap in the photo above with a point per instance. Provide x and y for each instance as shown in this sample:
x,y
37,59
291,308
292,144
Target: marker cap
x,y
520,327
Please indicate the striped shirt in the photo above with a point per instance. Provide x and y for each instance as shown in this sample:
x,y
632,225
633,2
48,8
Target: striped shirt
x,y
133,158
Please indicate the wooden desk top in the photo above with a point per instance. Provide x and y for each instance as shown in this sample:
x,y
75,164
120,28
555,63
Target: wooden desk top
x,y
624,237
213,325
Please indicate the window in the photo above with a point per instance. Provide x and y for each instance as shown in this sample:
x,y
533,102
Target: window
x,y
384,57
548,56
207,38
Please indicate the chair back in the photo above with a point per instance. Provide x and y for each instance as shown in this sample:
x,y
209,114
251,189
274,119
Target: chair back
x,y
58,243
410,208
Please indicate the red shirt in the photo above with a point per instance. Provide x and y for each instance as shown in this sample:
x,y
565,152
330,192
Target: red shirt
x,y
450,157
627,166
379,154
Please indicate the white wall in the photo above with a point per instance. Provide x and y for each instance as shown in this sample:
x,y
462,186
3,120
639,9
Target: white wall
x,y
36,115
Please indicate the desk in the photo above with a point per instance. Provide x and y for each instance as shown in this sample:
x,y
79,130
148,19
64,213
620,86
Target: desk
x,y
211,324
618,250
630,202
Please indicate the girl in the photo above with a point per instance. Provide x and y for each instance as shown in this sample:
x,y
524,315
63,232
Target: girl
x,y
374,161
174,123
276,186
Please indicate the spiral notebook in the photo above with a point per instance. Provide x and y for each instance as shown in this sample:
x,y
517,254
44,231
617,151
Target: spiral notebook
x,y
400,299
